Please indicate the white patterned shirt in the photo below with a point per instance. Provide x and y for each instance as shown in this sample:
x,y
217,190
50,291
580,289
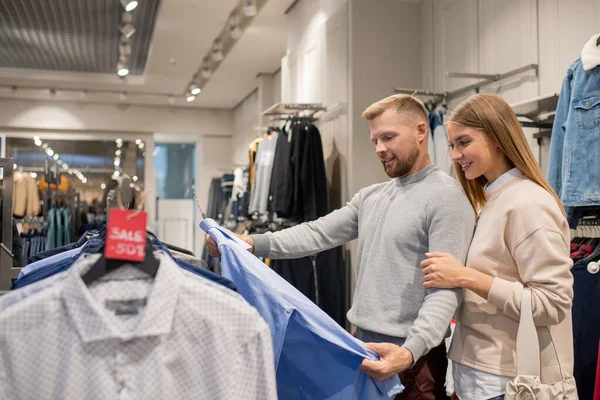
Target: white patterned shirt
x,y
126,336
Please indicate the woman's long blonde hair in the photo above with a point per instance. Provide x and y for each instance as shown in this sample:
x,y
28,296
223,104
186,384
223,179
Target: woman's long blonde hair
x,y
493,116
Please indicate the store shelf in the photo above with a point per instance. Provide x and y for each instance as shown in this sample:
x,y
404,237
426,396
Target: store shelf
x,y
534,108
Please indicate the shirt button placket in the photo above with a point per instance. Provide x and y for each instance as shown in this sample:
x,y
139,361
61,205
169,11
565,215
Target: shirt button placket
x,y
121,374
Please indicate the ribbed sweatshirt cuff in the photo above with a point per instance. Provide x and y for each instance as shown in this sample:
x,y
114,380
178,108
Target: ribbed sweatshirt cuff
x,y
262,245
417,346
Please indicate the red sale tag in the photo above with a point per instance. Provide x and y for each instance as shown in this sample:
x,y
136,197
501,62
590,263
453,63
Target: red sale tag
x,y
126,236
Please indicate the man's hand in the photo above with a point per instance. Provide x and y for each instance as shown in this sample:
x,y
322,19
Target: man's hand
x,y
213,249
392,360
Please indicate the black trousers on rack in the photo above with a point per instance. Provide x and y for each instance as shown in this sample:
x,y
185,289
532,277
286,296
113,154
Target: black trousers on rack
x,y
586,327
326,288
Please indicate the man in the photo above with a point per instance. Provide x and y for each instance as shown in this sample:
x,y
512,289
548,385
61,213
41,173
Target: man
x,y
420,210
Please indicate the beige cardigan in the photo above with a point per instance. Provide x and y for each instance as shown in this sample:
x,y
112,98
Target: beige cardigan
x,y
521,238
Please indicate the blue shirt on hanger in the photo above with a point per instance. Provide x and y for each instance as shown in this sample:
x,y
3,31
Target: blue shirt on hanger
x,y
61,262
315,358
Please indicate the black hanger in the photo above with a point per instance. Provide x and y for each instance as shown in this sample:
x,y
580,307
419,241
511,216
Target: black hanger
x,y
103,266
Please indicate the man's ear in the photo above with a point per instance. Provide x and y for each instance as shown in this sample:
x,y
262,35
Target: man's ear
x,y
423,130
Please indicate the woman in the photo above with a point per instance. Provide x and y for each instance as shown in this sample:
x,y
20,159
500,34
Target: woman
x,y
521,238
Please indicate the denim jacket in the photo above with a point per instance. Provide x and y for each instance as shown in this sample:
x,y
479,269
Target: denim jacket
x,y
574,164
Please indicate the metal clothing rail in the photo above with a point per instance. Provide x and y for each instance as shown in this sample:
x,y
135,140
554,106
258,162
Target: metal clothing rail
x,y
487,79
7,271
293,109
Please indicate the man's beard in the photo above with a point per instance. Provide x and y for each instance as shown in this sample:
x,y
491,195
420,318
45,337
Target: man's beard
x,y
404,164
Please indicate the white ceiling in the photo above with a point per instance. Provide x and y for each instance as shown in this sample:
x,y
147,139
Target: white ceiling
x,y
184,32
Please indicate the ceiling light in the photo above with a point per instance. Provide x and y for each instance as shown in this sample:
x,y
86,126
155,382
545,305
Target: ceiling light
x,y
217,51
135,178
127,30
84,180
37,141
233,28
119,145
190,98
122,70
118,153
141,145
194,90
45,146
117,162
56,156
118,140
14,166
65,166
103,186
59,162
249,9
49,151
33,175
129,5
115,175
70,171
138,141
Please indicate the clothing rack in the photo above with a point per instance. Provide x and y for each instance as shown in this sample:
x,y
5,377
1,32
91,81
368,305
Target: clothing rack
x,y
72,202
438,97
286,110
7,271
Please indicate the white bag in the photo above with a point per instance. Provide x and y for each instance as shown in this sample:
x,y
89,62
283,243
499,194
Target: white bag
x,y
527,385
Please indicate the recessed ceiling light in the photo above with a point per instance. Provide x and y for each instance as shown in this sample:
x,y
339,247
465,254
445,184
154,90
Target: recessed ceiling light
x,y
190,98
129,5
195,90
122,70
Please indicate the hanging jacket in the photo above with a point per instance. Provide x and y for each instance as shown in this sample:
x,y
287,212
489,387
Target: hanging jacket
x,y
310,179
315,358
573,167
26,199
281,190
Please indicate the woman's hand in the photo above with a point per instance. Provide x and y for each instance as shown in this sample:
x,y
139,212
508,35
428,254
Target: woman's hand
x,y
442,270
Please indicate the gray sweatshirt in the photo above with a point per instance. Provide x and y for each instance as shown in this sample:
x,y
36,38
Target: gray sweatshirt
x,y
396,223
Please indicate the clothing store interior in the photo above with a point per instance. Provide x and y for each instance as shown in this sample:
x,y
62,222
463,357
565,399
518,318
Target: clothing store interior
x,y
162,163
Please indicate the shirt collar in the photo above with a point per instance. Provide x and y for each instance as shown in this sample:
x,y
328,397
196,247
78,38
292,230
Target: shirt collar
x,y
502,179
91,319
417,176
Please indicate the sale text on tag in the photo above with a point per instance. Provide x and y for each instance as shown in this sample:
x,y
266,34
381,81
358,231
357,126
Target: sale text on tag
x,y
126,238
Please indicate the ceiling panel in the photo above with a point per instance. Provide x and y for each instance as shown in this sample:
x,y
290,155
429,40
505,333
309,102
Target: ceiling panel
x,y
72,35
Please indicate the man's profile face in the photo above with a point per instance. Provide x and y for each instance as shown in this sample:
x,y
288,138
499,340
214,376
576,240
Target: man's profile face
x,y
395,138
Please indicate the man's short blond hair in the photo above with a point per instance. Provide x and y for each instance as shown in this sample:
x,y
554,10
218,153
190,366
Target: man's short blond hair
x,y
402,103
